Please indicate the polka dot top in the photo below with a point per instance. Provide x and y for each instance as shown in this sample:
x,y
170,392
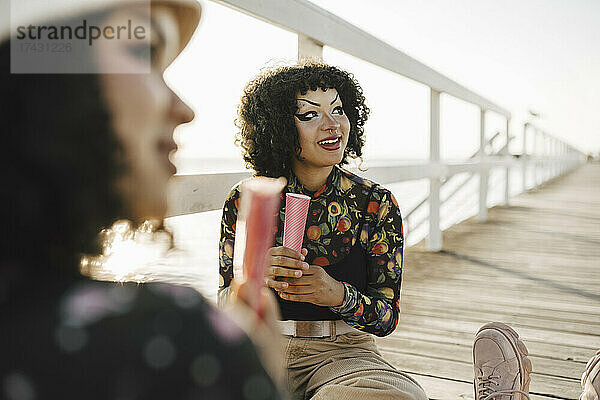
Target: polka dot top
x,y
95,340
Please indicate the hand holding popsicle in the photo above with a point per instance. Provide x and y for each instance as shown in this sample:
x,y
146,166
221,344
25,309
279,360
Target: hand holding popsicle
x,y
255,233
263,330
288,273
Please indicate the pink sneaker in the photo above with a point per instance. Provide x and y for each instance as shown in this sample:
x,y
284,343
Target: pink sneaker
x,y
590,380
500,364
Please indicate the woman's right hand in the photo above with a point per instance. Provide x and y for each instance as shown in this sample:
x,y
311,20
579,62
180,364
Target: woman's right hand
x,y
285,263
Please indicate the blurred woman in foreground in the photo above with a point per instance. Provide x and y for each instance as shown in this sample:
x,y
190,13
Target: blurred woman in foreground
x,y
80,151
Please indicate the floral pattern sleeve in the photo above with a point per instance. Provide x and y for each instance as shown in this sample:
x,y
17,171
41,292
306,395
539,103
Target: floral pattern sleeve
x,y
226,243
354,231
377,309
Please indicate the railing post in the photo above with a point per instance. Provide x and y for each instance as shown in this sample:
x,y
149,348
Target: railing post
x,y
507,154
309,48
546,155
561,151
566,155
551,155
543,142
560,154
548,164
555,156
563,156
483,173
534,153
434,240
524,156
554,161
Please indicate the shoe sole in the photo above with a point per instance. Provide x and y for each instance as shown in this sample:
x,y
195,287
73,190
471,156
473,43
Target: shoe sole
x,y
519,348
589,367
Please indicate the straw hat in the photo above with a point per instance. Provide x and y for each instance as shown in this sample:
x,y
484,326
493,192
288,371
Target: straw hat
x,y
44,11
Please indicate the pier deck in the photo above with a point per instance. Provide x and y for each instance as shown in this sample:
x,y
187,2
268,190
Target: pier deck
x,y
534,265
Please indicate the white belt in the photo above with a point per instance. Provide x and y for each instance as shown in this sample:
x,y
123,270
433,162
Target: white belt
x,y
315,328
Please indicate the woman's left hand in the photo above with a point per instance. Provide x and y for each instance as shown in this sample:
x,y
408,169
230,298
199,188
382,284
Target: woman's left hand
x,y
314,286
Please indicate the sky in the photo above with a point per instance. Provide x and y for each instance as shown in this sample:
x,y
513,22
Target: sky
x,y
522,55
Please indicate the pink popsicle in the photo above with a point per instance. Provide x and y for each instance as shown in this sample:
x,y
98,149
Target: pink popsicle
x,y
255,230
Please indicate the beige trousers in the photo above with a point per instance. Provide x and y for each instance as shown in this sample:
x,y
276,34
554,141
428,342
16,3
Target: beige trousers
x,y
347,368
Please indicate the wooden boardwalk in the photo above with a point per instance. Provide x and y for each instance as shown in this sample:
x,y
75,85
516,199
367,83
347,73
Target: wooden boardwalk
x,y
534,265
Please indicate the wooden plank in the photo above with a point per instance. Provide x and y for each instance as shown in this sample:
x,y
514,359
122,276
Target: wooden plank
x,y
548,350
539,288
461,352
578,314
504,270
531,262
540,261
438,388
512,319
511,302
538,257
566,339
478,276
563,303
496,311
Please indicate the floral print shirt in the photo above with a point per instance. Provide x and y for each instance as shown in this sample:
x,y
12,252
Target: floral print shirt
x,y
334,216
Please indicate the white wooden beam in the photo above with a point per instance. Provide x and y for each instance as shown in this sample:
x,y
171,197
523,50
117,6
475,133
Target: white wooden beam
x,y
483,173
309,48
189,194
434,239
306,18
507,153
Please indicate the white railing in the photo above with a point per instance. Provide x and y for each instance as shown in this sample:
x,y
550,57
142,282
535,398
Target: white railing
x,y
316,28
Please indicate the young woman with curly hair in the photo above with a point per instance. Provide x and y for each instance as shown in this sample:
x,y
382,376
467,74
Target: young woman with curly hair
x,y
304,122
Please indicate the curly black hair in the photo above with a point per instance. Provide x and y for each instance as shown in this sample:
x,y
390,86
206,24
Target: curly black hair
x,y
267,132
